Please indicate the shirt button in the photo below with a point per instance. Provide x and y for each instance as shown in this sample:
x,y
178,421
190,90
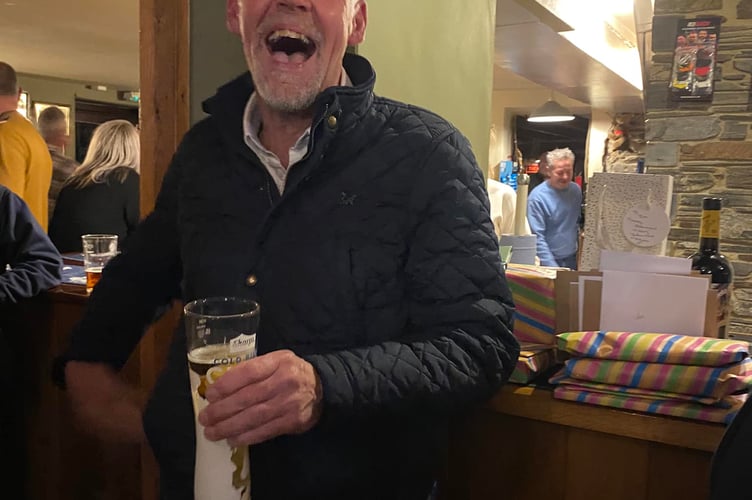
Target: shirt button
x,y
332,121
251,280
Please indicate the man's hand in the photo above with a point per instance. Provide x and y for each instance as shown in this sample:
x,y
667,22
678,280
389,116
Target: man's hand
x,y
262,398
103,403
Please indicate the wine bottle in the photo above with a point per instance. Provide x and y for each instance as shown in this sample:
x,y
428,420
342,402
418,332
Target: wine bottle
x,y
709,260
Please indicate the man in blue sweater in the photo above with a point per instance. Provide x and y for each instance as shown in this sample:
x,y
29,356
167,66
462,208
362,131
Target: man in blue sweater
x,y
553,211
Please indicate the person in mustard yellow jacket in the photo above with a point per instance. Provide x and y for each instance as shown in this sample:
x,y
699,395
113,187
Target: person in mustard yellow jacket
x,y
25,162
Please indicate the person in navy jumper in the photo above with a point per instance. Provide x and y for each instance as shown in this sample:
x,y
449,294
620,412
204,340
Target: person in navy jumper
x,y
553,211
29,262
29,265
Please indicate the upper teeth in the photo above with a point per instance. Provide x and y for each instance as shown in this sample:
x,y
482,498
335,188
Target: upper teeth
x,y
274,37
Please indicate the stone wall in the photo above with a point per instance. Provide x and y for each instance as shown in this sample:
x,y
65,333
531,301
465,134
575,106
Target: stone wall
x,y
625,143
705,145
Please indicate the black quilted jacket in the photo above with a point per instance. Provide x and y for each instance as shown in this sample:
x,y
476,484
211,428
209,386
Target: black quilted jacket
x,y
378,264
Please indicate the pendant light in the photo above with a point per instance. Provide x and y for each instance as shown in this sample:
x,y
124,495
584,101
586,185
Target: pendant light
x,y
551,112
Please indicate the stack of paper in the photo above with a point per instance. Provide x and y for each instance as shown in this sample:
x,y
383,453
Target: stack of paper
x,y
636,293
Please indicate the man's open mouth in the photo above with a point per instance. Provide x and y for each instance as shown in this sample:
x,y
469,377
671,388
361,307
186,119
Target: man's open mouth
x,y
291,44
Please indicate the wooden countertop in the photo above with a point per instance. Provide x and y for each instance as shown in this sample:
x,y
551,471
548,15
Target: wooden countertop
x,y
539,404
68,293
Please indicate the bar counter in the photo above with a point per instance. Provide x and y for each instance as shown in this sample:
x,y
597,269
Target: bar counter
x,y
526,445
521,445
64,462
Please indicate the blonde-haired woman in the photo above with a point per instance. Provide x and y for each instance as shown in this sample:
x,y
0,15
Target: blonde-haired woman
x,y
102,195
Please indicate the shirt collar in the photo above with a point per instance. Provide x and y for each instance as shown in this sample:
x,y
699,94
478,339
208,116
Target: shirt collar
x,y
252,128
252,117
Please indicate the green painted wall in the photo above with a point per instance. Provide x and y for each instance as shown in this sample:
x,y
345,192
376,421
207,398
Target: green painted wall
x,y
426,52
437,54
216,54
64,92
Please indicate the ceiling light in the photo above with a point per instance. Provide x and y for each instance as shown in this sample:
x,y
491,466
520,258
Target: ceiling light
x,y
551,111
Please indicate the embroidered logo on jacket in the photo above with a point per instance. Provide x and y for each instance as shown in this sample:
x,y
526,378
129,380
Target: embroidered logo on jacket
x,y
347,199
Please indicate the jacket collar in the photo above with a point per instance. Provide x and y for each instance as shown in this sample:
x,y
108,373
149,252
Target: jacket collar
x,y
347,104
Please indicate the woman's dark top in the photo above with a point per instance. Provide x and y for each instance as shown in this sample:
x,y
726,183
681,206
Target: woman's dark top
x,y
110,207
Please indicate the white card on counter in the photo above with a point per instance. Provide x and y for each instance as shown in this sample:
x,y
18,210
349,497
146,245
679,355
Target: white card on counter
x,y
655,303
628,261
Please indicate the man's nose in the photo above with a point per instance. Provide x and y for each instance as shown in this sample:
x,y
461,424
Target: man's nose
x,y
303,5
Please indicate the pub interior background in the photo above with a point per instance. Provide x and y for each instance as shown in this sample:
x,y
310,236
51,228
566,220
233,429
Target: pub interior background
x,y
604,66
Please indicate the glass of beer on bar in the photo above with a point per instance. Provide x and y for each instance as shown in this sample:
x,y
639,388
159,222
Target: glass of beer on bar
x,y
98,250
221,333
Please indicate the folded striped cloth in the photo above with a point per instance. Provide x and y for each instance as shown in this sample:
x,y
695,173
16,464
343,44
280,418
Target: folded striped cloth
x,y
704,381
674,408
653,347
533,360
620,390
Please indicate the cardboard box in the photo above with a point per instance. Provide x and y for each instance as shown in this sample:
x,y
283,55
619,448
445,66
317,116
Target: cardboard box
x,y
568,309
567,301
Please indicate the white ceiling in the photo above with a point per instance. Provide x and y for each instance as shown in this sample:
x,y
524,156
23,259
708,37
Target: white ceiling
x,y
97,41
89,40
534,53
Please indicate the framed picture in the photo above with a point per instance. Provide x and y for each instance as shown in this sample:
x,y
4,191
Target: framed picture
x,y
23,105
693,68
41,106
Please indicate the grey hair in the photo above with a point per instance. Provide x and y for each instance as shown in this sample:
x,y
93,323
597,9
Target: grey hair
x,y
559,154
115,144
8,80
51,122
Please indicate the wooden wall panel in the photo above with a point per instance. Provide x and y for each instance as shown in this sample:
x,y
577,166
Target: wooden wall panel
x,y
64,461
691,477
605,466
165,55
525,445
500,456
165,117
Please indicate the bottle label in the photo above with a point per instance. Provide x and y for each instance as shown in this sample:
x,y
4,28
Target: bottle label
x,y
711,224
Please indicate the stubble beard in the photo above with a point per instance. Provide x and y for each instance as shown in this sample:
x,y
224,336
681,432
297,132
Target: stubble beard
x,y
288,97
285,93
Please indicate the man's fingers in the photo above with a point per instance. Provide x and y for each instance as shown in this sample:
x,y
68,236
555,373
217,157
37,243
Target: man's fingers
x,y
260,434
244,421
246,373
249,396
259,401
281,415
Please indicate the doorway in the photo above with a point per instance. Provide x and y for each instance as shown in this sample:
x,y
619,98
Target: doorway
x,y
534,139
89,114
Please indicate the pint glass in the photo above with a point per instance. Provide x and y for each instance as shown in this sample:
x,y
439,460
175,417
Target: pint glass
x,y
98,249
221,332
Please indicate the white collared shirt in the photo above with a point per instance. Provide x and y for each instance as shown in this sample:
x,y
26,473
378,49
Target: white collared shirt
x,y
252,127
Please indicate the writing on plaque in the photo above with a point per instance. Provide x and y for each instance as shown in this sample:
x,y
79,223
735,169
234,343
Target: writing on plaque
x,y
645,227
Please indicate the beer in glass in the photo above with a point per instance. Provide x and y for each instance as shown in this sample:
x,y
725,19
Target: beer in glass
x,y
221,333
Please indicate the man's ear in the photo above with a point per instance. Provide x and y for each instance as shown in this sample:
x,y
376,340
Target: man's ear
x,y
231,17
359,21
